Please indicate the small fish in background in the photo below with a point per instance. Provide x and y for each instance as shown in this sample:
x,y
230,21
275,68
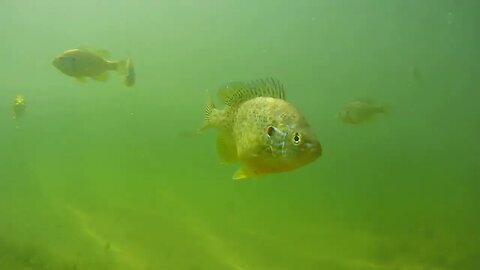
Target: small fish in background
x,y
260,130
450,18
417,74
88,62
188,134
130,75
359,111
19,106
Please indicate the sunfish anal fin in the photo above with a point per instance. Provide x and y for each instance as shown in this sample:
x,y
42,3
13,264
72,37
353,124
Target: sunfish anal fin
x,y
101,77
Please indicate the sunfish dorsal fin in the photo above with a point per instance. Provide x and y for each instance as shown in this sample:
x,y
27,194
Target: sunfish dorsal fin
x,y
234,93
100,52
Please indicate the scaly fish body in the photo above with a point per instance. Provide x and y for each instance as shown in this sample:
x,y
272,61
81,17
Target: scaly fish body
x,y
81,63
261,130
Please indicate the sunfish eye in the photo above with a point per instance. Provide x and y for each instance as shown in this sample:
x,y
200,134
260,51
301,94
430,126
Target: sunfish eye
x,y
296,138
270,131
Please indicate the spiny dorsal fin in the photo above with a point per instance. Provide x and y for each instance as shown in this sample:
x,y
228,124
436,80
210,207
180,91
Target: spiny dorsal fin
x,y
209,107
99,52
269,88
236,92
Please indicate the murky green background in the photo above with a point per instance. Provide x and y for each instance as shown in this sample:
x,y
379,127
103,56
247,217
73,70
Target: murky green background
x,y
100,176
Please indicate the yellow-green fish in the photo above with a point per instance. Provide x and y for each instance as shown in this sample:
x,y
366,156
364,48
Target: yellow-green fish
x,y
19,106
87,62
359,111
260,130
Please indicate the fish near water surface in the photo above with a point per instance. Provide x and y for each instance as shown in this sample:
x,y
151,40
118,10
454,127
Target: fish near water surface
x,y
81,63
260,130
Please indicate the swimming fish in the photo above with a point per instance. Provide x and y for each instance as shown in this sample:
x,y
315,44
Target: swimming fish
x,y
260,130
359,111
88,62
416,73
19,106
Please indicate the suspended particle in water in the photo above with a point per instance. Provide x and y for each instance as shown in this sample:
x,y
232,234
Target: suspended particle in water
x,y
450,18
416,73
108,246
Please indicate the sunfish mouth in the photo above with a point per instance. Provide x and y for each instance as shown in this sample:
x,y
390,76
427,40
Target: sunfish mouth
x,y
314,148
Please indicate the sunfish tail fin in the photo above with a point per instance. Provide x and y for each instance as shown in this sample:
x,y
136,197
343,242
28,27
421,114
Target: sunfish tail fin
x,y
121,66
130,73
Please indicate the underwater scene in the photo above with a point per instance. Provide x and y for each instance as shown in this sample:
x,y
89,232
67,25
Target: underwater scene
x,y
240,135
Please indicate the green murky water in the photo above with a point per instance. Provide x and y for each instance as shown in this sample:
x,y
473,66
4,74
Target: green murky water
x,y
100,176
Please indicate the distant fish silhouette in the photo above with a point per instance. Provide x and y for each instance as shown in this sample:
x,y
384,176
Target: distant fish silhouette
x,y
19,106
417,74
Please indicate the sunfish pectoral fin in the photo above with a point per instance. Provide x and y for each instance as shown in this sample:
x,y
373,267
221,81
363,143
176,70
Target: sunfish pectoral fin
x,y
239,175
226,147
244,173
